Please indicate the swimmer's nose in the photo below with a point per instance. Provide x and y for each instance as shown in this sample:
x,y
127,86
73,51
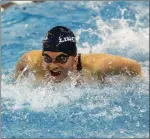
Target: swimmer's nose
x,y
54,67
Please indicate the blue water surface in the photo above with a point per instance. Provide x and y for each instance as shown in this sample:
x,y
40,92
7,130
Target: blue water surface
x,y
116,109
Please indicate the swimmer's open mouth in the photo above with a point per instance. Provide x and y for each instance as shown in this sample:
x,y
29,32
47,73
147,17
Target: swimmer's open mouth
x,y
55,73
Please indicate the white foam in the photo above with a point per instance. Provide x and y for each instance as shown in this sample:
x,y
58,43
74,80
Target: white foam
x,y
119,38
39,97
21,2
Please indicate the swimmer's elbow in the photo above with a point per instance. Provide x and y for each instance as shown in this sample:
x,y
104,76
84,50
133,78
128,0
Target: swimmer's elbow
x,y
136,69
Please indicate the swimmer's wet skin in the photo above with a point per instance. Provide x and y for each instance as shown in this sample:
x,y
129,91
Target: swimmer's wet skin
x,y
59,56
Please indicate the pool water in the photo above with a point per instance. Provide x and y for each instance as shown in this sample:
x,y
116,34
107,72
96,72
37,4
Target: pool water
x,y
117,108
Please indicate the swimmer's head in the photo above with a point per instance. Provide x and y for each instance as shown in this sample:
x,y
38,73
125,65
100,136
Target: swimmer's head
x,y
60,39
59,52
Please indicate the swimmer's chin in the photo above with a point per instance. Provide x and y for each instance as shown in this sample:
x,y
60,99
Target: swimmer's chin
x,y
57,79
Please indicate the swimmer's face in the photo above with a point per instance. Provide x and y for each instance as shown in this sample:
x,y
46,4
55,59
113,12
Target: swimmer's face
x,y
57,64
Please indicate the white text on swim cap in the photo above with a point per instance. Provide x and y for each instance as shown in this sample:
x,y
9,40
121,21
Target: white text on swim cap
x,y
65,39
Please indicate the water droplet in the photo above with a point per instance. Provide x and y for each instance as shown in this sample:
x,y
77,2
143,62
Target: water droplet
x,y
137,124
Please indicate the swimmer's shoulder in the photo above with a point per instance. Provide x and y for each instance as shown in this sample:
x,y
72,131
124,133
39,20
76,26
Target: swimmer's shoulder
x,y
32,59
93,59
34,56
95,55
34,53
92,62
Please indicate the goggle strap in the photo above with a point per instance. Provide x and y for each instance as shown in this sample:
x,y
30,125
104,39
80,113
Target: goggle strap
x,y
79,65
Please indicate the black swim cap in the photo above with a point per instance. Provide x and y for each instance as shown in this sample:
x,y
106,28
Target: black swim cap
x,y
60,39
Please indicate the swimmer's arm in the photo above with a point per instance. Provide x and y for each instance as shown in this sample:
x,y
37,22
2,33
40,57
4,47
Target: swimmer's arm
x,y
118,64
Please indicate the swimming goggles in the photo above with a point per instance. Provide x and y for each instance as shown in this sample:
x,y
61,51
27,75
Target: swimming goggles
x,y
62,58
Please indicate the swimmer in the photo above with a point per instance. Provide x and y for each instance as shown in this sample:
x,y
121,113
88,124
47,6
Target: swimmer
x,y
59,56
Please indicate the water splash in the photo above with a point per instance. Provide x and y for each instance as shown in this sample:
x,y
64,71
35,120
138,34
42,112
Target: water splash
x,y
117,108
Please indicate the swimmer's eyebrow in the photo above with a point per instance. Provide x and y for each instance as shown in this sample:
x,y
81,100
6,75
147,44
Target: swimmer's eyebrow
x,y
45,55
